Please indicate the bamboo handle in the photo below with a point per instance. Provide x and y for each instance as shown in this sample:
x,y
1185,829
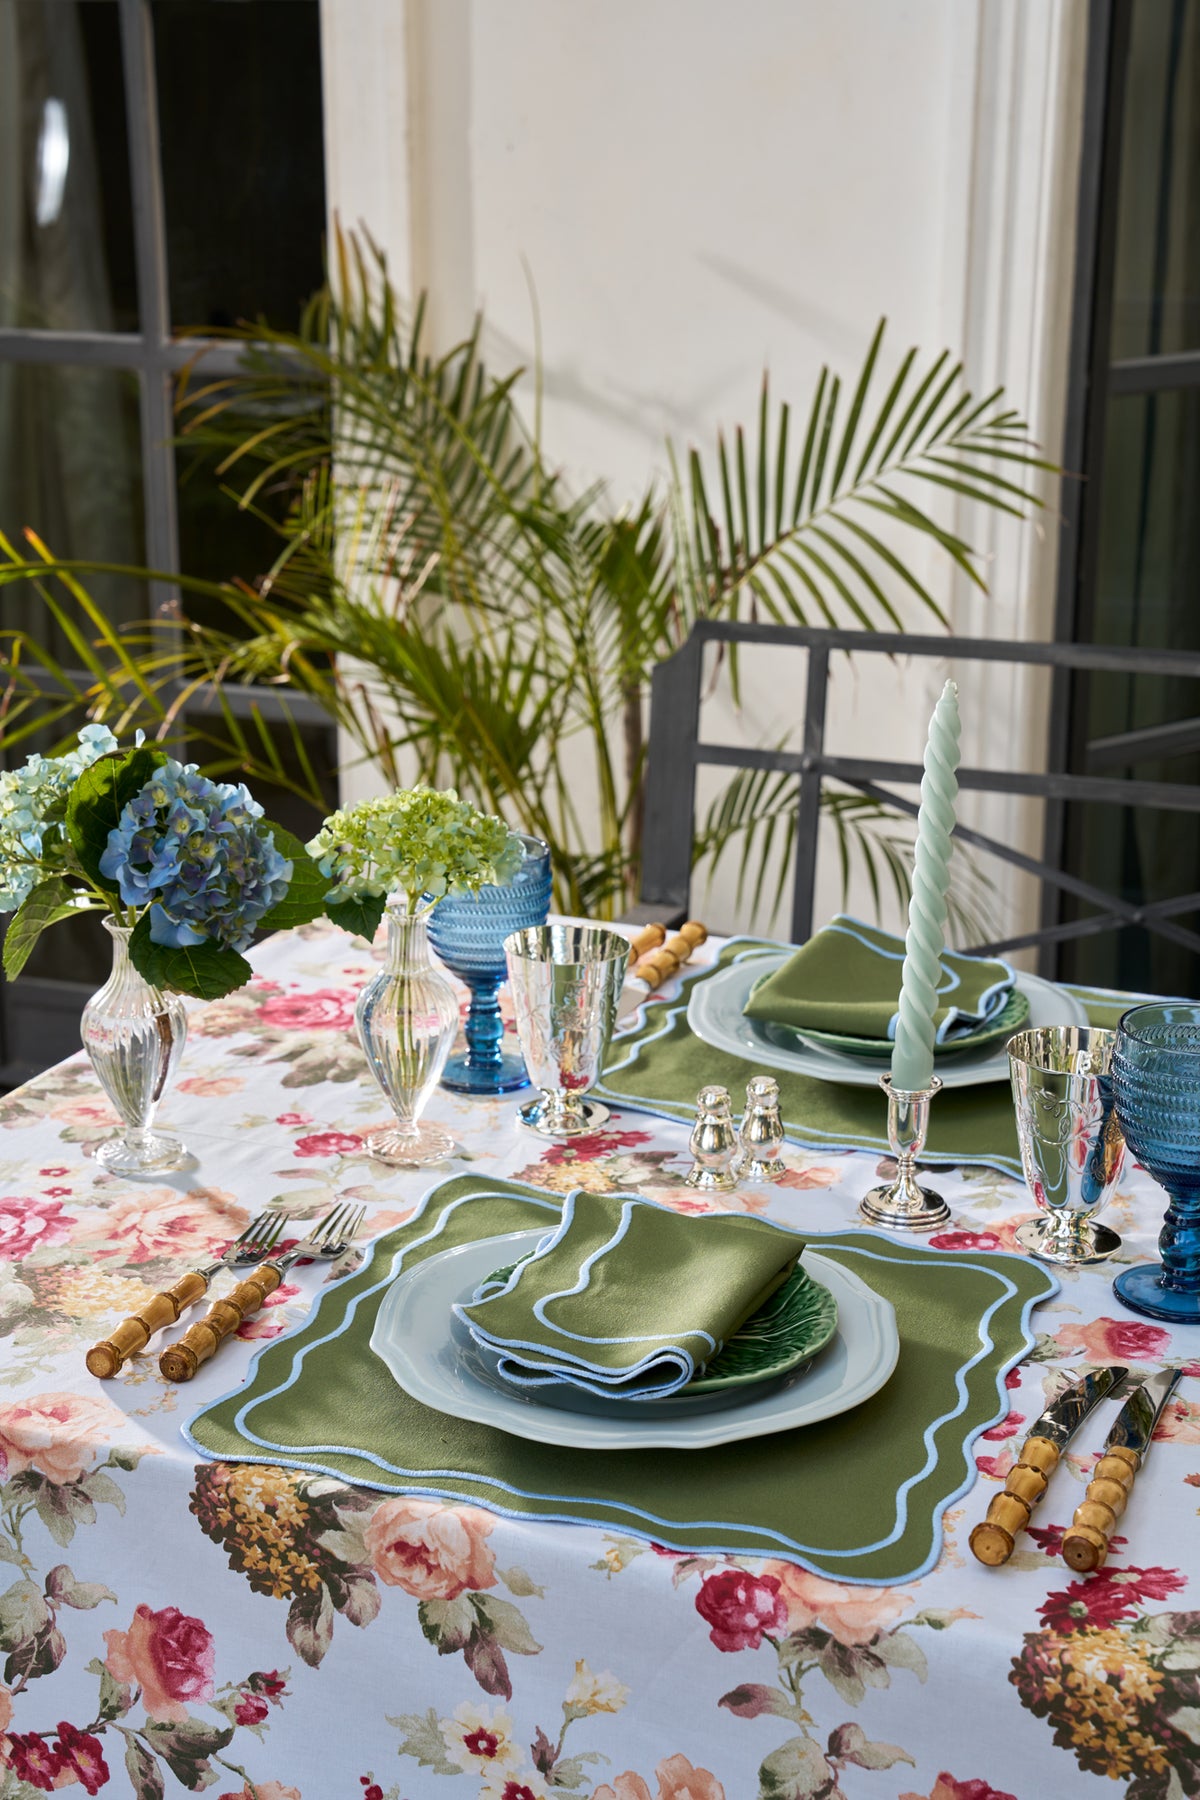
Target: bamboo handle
x,y
180,1360
1085,1546
994,1538
133,1334
645,940
664,962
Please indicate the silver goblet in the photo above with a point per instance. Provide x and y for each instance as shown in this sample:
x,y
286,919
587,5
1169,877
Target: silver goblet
x,y
565,982
1072,1149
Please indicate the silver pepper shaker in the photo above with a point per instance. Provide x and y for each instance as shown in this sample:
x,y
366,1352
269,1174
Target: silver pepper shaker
x,y
713,1142
760,1140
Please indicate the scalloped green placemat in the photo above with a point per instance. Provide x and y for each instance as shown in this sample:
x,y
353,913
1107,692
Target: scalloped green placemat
x,y
857,1498
661,1066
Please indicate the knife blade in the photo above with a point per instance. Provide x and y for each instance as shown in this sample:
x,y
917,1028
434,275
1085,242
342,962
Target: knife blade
x,y
994,1538
1085,1546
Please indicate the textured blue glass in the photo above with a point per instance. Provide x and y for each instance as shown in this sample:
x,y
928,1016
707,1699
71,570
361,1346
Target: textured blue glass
x,y
1156,1081
468,931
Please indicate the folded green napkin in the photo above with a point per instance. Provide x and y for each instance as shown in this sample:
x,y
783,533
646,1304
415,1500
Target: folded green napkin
x,y
628,1297
847,979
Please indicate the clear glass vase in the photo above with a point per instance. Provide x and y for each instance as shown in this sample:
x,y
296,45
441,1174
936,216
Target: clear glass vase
x,y
407,1019
134,1036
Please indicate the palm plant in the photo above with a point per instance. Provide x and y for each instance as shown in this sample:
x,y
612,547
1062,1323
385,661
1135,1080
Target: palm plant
x,y
465,619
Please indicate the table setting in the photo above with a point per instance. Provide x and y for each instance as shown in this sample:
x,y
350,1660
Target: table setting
x,y
678,1369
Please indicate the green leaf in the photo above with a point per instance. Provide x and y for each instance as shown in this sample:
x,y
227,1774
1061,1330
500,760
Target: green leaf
x,y
116,1697
310,1625
506,1623
142,1769
23,1612
62,1586
205,971
796,1771
447,1623
751,1699
360,917
98,799
850,1744
902,1652
50,901
518,1582
305,898
102,1487
185,1746
422,1738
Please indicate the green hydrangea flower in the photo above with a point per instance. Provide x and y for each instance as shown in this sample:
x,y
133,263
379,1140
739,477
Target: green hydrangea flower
x,y
419,842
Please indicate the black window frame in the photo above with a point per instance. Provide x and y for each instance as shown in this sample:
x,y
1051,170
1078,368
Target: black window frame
x,y
39,1016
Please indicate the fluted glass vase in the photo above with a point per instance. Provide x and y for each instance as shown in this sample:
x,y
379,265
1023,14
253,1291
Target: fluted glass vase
x,y
134,1035
407,1019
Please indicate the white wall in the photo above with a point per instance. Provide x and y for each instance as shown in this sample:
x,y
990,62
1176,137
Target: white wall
x,y
697,189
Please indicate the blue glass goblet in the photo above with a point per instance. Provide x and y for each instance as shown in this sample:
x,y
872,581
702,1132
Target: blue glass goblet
x,y
1156,1083
468,932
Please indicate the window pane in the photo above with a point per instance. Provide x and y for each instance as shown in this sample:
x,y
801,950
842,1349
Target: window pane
x,y
243,170
66,229
1148,569
70,468
1156,299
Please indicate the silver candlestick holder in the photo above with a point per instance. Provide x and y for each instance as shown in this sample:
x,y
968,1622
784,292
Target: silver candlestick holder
x,y
906,1205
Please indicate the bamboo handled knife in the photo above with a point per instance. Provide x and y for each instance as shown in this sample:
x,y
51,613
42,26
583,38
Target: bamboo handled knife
x,y
1085,1546
994,1538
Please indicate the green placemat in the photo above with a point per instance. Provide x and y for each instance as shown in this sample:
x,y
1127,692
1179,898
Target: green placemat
x,y
857,1498
661,1066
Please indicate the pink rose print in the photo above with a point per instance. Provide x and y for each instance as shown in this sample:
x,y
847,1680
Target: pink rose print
x,y
28,1224
87,1111
1115,1341
169,1656
740,1607
211,1086
677,1780
56,1434
1180,1423
294,1118
55,1171
435,1552
83,1755
324,1009
265,1790
162,1222
371,1789
251,1709
1008,1427
853,1615
328,1143
946,1788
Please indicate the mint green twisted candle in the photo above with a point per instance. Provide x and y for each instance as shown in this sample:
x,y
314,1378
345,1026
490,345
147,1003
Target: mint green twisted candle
x,y
912,1054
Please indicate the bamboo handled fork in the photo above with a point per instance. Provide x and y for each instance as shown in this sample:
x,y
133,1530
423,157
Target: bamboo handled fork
x,y
109,1356
327,1240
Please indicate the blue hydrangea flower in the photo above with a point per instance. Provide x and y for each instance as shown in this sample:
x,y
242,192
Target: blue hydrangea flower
x,y
191,850
33,803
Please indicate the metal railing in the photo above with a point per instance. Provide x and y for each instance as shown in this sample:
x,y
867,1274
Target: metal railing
x,y
676,752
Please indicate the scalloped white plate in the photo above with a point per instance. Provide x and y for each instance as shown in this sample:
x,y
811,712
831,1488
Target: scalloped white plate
x,y
412,1336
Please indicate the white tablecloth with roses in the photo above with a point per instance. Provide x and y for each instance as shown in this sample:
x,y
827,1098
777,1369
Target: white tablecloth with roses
x,y
171,1628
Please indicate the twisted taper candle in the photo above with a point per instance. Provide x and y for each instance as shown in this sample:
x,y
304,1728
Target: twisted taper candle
x,y
912,1055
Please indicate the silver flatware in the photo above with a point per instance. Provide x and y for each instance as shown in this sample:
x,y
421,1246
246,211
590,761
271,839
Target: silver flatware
x,y
1085,1546
994,1538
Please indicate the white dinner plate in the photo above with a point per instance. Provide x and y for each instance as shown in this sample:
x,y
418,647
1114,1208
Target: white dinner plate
x,y
715,1015
412,1336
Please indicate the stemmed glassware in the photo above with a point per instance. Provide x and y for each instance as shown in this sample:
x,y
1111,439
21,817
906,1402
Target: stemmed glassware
x,y
1156,1079
1072,1149
566,984
467,932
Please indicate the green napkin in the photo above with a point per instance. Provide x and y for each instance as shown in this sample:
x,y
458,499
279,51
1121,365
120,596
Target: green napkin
x,y
630,1298
855,1498
846,979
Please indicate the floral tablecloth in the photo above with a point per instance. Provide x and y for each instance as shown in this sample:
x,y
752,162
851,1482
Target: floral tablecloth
x,y
169,1628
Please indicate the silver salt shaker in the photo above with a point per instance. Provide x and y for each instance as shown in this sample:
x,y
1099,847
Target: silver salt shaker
x,y
713,1142
760,1140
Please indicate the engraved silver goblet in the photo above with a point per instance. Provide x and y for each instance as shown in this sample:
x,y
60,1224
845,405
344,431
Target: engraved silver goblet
x,y
1072,1149
565,982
